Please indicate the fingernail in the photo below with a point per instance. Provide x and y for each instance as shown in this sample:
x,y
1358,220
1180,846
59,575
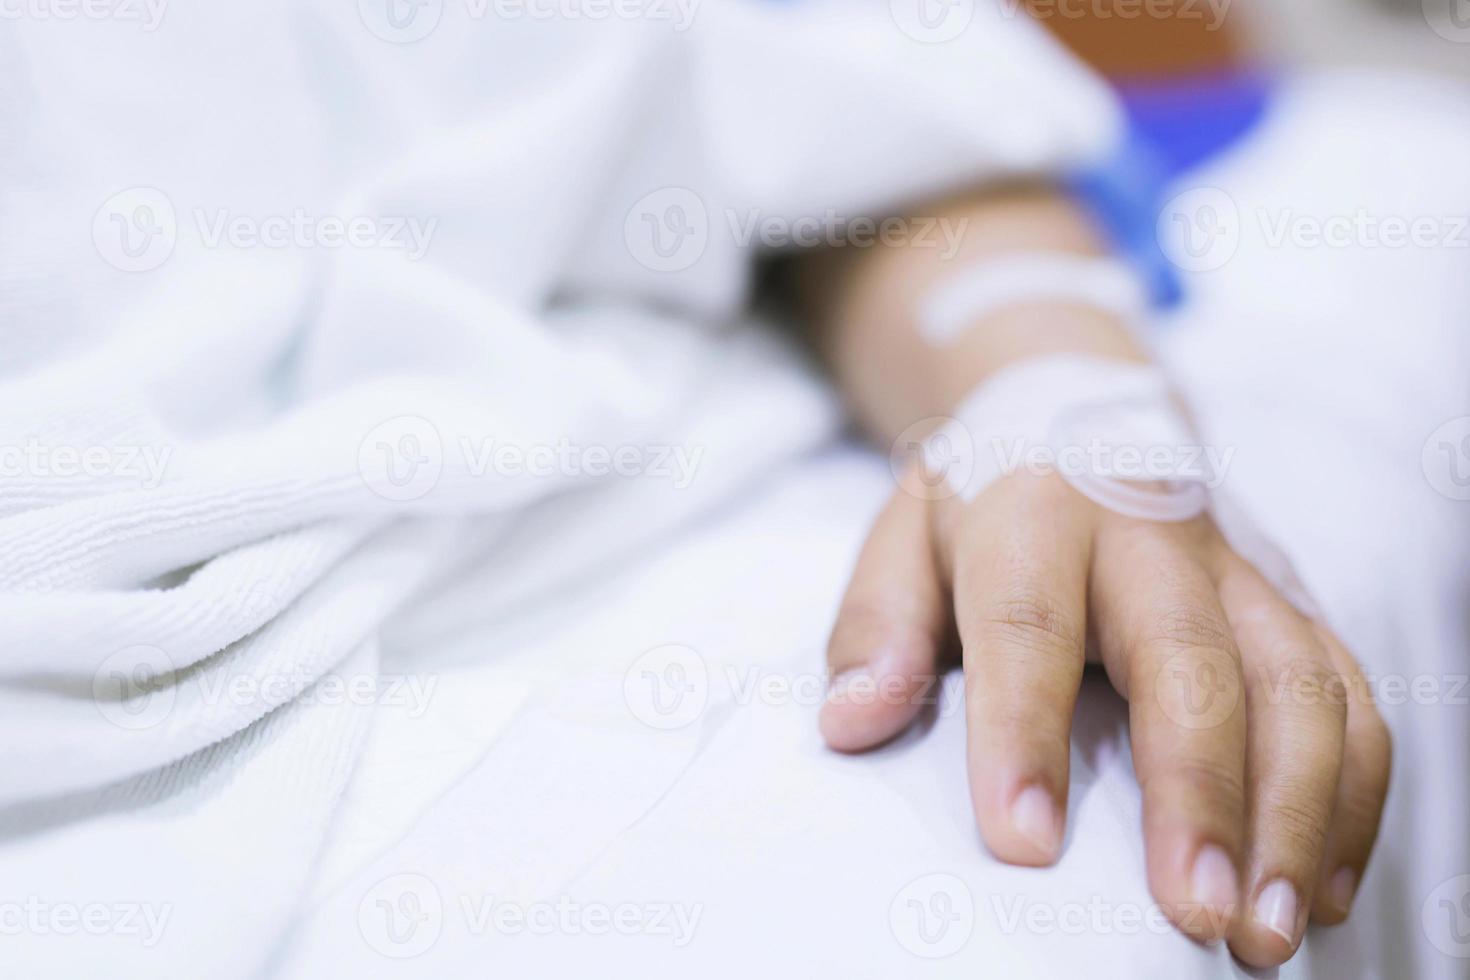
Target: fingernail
x,y
1340,889
1213,880
1034,815
1276,909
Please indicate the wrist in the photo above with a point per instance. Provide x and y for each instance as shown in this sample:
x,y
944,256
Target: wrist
x,y
1024,333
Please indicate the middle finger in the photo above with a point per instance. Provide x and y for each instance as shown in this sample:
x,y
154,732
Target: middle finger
x,y
1168,648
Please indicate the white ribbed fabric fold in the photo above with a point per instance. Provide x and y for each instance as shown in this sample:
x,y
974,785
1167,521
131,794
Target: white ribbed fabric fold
x,y
244,817
226,599
147,709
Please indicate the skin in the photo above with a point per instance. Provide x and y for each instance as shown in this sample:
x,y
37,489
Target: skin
x,y
1030,581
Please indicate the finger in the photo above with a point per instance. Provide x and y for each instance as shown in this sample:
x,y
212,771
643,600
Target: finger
x,y
1168,648
1361,790
1020,565
885,644
1294,754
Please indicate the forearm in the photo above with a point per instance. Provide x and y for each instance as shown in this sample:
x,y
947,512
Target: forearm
x,y
863,305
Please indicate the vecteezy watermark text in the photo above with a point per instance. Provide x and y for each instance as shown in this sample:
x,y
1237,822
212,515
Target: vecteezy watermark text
x,y
935,916
137,230
672,686
301,229
35,916
403,915
669,230
147,14
404,458
1211,13
146,465
409,21
1206,465
138,687
1202,228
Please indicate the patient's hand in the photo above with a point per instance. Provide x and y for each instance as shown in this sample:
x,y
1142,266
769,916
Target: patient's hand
x,y
1250,752
1263,776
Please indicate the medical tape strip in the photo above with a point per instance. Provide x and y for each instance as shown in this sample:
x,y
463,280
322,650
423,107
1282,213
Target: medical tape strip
x,y
1112,430
966,298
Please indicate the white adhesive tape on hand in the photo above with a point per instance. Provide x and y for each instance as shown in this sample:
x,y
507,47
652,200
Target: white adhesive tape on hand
x,y
968,297
1110,428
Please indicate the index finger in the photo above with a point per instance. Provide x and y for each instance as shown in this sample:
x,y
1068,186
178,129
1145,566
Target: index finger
x,y
1020,603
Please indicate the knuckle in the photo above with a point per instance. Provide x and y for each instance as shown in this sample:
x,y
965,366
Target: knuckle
x,y
1188,626
1200,779
1298,824
1312,687
1031,619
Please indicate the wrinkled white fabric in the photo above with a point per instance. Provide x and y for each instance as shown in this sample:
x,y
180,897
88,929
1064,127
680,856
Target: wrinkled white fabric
x,y
239,449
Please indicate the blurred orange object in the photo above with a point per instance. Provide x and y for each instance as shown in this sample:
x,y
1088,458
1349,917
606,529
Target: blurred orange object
x,y
1137,39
